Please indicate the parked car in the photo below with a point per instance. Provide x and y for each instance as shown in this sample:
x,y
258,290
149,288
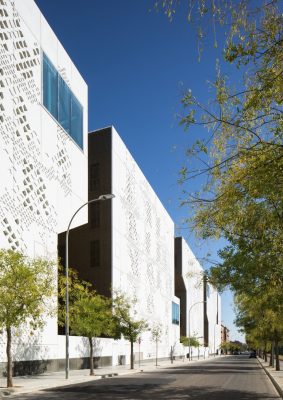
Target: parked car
x,y
236,353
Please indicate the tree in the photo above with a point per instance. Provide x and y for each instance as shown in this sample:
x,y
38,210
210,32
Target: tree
x,y
26,286
92,318
90,314
126,323
190,341
230,347
156,334
241,154
244,165
260,317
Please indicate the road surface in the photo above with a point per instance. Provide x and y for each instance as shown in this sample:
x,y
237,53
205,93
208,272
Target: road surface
x,y
225,378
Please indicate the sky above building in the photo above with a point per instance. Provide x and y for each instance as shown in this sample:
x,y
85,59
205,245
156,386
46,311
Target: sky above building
x,y
137,65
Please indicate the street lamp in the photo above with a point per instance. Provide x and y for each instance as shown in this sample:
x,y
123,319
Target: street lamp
x,y
198,302
100,198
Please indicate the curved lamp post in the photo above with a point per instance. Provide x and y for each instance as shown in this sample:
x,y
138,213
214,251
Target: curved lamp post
x,y
198,302
100,198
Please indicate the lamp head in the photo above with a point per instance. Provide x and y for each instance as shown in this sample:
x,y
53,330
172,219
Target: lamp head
x,y
106,196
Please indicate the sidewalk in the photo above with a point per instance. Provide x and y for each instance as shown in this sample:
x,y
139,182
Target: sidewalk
x,y
31,383
275,376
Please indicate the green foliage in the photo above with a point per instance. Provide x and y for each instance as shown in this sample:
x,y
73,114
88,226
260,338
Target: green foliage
x,y
124,315
90,314
156,332
260,316
241,157
26,288
125,321
26,285
231,346
190,341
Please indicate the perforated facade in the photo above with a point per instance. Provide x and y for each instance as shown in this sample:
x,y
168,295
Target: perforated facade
x,y
200,303
41,165
143,245
128,243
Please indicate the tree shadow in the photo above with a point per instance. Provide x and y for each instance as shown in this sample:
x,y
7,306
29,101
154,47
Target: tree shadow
x,y
213,369
31,349
144,388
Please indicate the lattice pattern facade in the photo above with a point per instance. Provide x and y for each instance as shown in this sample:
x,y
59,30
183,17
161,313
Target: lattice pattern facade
x,y
40,188
143,244
35,173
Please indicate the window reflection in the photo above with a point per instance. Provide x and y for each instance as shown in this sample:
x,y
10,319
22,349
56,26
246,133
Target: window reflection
x,y
61,102
175,313
50,87
64,105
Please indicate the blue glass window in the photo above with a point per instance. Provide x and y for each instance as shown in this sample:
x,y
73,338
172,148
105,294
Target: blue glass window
x,y
50,87
175,313
64,105
61,102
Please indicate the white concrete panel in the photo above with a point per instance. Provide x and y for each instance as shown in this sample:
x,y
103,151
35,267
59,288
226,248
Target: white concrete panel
x,y
64,64
49,42
48,130
43,173
143,241
213,304
79,86
30,14
192,274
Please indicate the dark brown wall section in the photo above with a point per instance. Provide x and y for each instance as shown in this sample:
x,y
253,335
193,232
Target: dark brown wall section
x,y
180,289
90,245
205,319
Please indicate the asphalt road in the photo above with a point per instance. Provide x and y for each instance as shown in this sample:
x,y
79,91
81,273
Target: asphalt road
x,y
225,378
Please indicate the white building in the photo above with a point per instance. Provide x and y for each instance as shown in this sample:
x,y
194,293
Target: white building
x,y
43,146
143,247
214,319
128,245
200,304
47,173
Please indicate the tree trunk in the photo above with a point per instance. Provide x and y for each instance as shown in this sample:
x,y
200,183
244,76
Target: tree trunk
x,y
171,354
132,354
265,356
277,361
271,360
9,357
91,356
156,355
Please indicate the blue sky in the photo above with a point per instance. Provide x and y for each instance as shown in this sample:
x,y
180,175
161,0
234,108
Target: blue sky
x,y
137,64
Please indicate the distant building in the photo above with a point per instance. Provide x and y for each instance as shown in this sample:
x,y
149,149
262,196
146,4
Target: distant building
x,y
189,288
200,304
225,334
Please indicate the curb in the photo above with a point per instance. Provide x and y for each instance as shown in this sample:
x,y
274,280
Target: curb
x,y
275,384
